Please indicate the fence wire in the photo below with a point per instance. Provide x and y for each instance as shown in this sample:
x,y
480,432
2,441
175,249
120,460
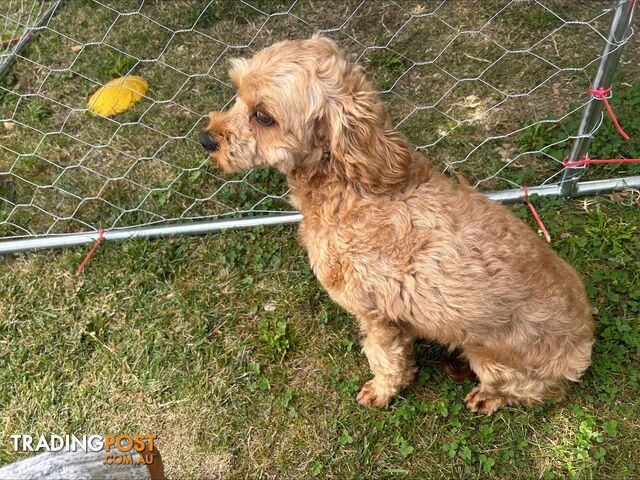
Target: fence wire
x,y
491,91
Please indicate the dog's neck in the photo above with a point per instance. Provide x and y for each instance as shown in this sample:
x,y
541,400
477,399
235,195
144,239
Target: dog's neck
x,y
323,180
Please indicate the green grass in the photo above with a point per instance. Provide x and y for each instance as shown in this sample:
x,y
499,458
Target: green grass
x,y
228,349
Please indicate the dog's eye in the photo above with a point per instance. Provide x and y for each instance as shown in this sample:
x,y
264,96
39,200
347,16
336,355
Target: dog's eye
x,y
263,119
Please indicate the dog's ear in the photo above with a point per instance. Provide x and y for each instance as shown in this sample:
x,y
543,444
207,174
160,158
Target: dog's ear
x,y
363,144
238,66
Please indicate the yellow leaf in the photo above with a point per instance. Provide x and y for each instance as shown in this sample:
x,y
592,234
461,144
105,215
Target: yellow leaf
x,y
117,96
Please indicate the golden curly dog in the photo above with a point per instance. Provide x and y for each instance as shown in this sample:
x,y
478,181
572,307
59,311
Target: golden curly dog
x,y
407,251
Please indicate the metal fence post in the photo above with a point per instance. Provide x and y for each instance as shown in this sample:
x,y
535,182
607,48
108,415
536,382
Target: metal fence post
x,y
618,35
26,38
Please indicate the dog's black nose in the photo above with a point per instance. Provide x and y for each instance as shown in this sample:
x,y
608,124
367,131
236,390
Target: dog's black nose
x,y
208,142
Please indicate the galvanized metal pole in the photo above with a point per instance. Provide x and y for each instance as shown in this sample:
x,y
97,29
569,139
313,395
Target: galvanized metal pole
x,y
191,228
202,228
618,35
26,37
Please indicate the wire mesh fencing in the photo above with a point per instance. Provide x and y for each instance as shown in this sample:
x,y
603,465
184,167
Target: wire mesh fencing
x,y
491,91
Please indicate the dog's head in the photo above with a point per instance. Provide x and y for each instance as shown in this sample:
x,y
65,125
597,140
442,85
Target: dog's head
x,y
301,105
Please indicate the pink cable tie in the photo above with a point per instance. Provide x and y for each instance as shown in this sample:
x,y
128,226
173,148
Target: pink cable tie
x,y
588,161
601,94
547,237
93,249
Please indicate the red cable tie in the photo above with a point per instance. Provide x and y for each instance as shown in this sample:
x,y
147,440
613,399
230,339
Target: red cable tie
x,y
601,94
93,249
588,161
547,237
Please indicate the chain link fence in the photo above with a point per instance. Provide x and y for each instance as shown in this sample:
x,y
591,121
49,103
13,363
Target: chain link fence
x,y
495,92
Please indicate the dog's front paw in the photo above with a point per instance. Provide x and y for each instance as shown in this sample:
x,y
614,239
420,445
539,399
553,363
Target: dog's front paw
x,y
372,395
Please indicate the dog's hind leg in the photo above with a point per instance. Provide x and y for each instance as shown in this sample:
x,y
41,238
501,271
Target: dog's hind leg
x,y
505,382
388,350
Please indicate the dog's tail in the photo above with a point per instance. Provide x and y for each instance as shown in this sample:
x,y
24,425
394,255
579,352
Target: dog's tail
x,y
457,368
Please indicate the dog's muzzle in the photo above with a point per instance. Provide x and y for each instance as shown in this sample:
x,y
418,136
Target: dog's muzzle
x,y
208,142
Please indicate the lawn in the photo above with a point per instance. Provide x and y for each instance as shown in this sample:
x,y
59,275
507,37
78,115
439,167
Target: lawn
x,y
226,346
